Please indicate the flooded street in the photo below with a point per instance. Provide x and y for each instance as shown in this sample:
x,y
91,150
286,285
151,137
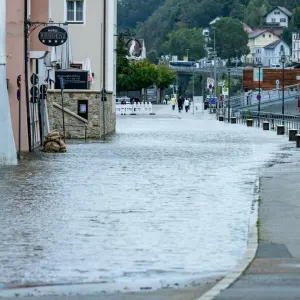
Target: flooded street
x,y
165,200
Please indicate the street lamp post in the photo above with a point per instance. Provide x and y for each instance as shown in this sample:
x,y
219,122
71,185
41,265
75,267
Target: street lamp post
x,y
187,54
229,71
193,90
259,95
283,60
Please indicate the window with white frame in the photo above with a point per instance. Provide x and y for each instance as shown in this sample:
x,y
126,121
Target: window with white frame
x,y
283,20
75,11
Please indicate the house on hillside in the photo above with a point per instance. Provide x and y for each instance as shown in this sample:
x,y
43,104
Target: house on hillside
x,y
278,16
257,41
296,47
271,54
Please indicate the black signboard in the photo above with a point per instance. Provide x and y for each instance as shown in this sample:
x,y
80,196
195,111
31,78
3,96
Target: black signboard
x,y
74,80
53,36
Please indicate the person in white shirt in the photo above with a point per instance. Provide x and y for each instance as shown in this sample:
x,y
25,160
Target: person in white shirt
x,y
186,105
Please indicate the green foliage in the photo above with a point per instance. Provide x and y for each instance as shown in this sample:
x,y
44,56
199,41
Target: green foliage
x,y
287,36
138,75
165,77
182,39
296,18
256,11
152,56
238,10
231,38
131,12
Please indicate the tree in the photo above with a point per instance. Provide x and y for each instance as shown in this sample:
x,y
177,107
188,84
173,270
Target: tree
x,y
238,10
152,56
131,12
182,39
255,12
165,78
296,18
231,39
287,36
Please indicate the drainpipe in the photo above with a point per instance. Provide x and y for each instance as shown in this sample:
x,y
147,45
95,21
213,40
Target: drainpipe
x,y
104,67
26,35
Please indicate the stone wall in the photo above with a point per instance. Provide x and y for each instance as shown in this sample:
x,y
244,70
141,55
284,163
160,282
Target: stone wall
x,y
76,126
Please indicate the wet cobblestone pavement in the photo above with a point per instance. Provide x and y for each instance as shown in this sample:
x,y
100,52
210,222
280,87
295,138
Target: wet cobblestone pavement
x,y
165,200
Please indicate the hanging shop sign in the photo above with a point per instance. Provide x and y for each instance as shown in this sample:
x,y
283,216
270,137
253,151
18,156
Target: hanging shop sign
x,y
53,36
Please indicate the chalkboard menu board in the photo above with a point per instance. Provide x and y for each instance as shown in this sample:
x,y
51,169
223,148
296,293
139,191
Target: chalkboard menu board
x,y
74,79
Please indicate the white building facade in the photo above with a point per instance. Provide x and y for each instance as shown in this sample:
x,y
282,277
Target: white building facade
x,y
296,47
278,16
85,19
272,53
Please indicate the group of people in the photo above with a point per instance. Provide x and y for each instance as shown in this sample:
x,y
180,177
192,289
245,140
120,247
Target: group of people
x,y
182,102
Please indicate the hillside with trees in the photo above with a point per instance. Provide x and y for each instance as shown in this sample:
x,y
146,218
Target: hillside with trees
x,y
162,23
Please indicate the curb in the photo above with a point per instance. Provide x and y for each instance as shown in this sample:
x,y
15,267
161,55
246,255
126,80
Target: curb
x,y
242,264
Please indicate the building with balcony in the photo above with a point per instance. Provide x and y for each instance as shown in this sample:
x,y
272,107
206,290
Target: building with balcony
x,y
278,16
296,47
257,41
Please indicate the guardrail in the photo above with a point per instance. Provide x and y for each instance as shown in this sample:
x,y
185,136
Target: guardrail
x,y
134,109
289,121
234,71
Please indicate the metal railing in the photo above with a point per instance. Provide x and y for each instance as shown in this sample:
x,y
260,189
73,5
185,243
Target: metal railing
x,y
289,121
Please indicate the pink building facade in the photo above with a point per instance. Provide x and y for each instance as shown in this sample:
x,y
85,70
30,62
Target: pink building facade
x,y
37,10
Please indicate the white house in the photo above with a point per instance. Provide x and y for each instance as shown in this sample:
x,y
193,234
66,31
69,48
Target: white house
x,y
271,53
278,16
85,19
296,47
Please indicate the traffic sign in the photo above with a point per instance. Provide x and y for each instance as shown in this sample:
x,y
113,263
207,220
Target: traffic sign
x,y
210,82
34,79
34,92
19,87
258,97
43,91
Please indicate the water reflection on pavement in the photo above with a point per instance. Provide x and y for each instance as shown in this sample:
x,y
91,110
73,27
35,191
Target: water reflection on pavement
x,y
165,199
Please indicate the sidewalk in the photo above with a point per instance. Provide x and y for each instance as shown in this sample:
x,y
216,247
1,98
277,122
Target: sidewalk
x,y
275,272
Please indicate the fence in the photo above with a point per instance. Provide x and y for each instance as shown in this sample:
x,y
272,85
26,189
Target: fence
x,y
134,109
289,121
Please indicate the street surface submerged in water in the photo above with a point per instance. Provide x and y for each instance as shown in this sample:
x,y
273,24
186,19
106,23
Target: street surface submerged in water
x,y
164,201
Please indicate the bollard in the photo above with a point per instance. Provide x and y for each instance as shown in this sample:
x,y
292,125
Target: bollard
x,y
249,122
298,140
221,118
233,120
280,129
266,126
292,134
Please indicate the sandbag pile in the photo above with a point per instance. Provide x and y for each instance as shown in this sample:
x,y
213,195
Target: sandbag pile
x,y
54,143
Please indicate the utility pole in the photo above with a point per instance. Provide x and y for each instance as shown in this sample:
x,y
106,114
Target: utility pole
x,y
215,66
8,155
193,90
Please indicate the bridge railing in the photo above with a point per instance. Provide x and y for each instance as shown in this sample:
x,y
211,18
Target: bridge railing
x,y
289,121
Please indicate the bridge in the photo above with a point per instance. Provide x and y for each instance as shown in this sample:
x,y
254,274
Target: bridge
x,y
271,101
208,70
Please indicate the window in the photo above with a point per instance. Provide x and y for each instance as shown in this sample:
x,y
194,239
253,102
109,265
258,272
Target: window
x,y
276,12
264,35
269,35
75,11
273,20
283,20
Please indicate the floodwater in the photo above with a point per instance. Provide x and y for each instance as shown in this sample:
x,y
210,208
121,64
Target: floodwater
x,y
165,200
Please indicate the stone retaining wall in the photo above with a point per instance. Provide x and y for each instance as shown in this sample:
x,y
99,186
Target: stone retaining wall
x,y
76,126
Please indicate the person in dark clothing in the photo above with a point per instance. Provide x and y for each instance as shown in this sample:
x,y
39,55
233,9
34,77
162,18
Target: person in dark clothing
x,y
180,103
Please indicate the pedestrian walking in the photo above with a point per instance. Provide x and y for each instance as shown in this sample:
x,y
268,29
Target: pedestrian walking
x,y
186,105
180,103
173,103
